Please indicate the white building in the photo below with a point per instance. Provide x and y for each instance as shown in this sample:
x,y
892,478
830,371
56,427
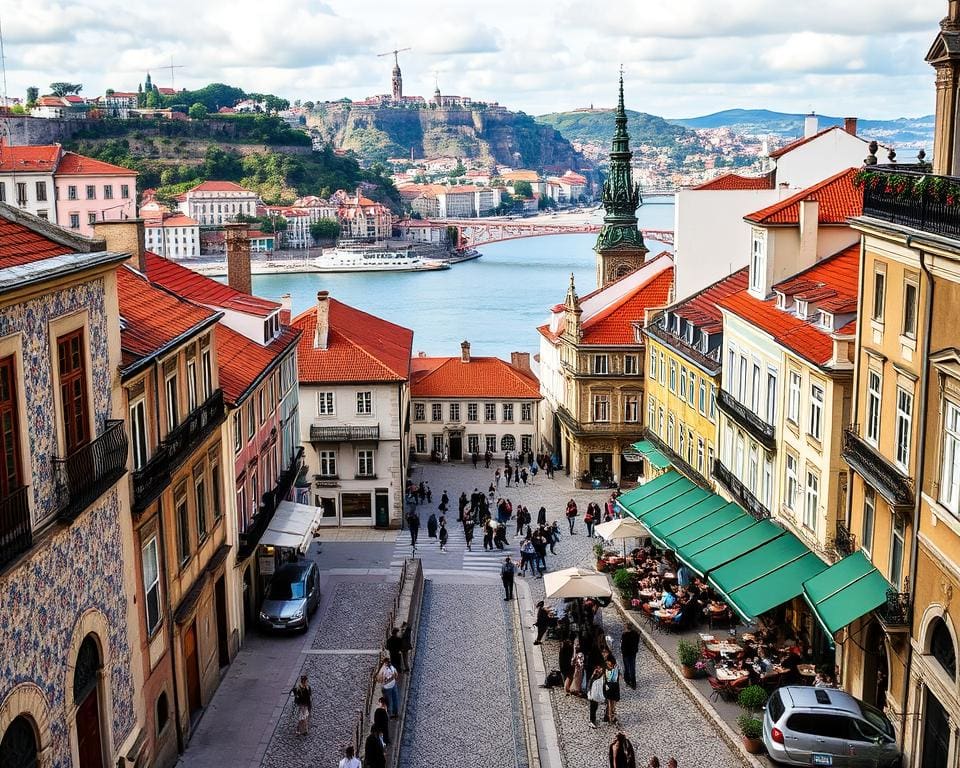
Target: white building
x,y
27,178
297,233
354,373
364,219
173,236
218,202
470,405
118,104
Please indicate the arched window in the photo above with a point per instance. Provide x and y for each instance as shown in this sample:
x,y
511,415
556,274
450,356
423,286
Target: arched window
x,y
18,748
508,443
941,648
85,673
163,711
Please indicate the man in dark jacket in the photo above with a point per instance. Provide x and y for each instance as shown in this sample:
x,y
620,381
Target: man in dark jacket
x,y
506,576
373,756
413,524
629,645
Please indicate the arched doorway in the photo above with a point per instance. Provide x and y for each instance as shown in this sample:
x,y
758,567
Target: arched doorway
x,y
18,747
86,696
875,668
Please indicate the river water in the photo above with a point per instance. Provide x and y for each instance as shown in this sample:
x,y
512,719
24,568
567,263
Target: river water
x,y
496,302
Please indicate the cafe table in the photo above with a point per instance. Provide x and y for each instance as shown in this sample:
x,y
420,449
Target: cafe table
x,y
725,675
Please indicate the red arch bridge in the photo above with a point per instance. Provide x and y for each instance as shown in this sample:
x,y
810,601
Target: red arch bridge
x,y
476,232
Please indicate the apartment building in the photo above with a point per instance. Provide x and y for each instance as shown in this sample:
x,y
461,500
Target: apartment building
x,y
218,202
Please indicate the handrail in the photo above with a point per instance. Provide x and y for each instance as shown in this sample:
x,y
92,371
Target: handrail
x,y
16,533
84,475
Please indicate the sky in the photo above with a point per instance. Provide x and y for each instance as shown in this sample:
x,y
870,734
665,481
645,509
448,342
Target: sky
x,y
681,58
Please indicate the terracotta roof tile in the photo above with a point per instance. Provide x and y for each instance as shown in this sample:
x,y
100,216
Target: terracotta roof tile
x,y
21,245
481,377
219,186
241,361
701,308
360,347
72,164
30,159
735,181
837,196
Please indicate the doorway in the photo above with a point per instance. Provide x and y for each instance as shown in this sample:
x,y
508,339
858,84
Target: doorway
x,y
875,674
86,695
192,665
223,646
456,446
936,733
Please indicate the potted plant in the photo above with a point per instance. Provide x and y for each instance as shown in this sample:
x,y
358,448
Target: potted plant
x,y
598,554
623,580
752,698
689,654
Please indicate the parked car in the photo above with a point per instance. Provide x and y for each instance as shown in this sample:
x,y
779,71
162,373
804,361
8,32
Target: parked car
x,y
804,725
293,595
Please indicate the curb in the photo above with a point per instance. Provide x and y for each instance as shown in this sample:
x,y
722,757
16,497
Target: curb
x,y
726,732
526,702
413,618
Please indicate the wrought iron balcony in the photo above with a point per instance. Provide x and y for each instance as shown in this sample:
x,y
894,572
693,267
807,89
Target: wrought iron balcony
x,y
894,613
250,536
83,476
762,432
16,534
844,542
876,469
320,434
909,196
740,492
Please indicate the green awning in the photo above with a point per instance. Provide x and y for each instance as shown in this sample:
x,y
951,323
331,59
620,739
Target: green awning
x,y
652,454
691,515
634,495
768,576
675,506
654,493
655,501
710,556
728,514
845,591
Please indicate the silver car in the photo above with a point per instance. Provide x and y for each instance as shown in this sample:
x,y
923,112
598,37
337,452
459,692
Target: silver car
x,y
293,594
803,725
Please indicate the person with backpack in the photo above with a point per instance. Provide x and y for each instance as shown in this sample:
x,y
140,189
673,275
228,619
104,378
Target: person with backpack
x,y
506,576
571,514
588,520
413,525
302,695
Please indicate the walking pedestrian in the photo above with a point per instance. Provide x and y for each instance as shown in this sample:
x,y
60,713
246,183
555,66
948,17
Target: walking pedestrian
x,y
611,690
373,755
387,678
571,514
394,646
653,762
506,576
443,535
526,556
521,519
413,525
542,516
595,694
350,759
496,479
302,695
488,530
574,684
406,645
468,526
508,473
432,525
543,622
621,752
381,720
588,520
524,476
629,645
473,458
554,536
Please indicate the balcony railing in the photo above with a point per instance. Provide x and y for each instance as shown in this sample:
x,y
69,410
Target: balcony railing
x,y
16,535
84,475
319,434
877,470
150,480
764,433
895,610
844,543
250,537
740,492
909,196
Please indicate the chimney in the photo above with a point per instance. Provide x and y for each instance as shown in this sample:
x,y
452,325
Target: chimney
x,y
124,236
521,360
850,125
238,256
810,124
809,225
323,320
465,352
286,309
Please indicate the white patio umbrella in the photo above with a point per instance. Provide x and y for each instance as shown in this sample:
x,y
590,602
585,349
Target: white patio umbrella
x,y
621,529
576,582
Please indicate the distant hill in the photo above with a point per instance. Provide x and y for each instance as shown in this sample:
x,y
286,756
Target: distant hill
x,y
902,132
596,126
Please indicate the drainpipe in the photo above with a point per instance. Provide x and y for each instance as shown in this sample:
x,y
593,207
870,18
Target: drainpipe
x,y
404,448
921,455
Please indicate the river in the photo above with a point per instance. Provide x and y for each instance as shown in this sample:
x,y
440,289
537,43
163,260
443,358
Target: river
x,y
496,302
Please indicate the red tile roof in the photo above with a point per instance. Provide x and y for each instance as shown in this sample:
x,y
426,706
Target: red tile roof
x,y
701,309
218,186
735,181
21,245
173,220
151,317
205,290
241,361
837,196
72,164
800,142
481,377
837,274
360,347
32,159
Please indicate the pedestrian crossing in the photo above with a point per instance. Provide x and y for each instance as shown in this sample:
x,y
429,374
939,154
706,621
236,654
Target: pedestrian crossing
x,y
456,557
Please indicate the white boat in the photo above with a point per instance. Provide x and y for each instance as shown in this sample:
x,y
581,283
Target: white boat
x,y
373,257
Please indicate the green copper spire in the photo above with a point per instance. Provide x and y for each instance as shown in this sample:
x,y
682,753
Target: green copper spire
x,y
620,197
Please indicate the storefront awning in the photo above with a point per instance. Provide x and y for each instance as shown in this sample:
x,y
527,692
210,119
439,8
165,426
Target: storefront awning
x,y
292,526
768,576
634,501
652,454
728,514
689,516
705,556
845,591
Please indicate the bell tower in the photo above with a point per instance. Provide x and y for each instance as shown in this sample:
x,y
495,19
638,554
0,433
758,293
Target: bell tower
x,y
620,249
397,79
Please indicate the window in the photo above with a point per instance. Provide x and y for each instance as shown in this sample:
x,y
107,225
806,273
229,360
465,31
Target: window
x,y
683,383
489,411
325,404
670,431
473,443
755,402
731,370
526,411
163,712
681,440
436,411
108,192
767,491
21,193
125,191
898,527
526,443
941,648
792,483
738,456
702,398
261,409
812,501
691,386
758,261
91,192
364,403
200,498
793,398
601,364
419,412
903,424
771,397
872,433
73,390
816,411
237,432
631,408
91,218
438,444
663,368
700,455
191,385
9,429
910,310
508,411
753,469
454,412
71,192
254,491
151,584
138,433
660,420
713,403
879,293
653,365
601,408
473,412
365,463
651,414
41,191
742,380
74,221
215,484
421,443
490,443
183,525
205,362
950,459
869,513
673,376
328,461
630,365
508,443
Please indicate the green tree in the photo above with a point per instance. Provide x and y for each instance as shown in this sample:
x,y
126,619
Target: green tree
x,y
65,89
523,189
308,105
33,93
457,172
17,109
546,202
325,229
453,236
153,100
197,111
